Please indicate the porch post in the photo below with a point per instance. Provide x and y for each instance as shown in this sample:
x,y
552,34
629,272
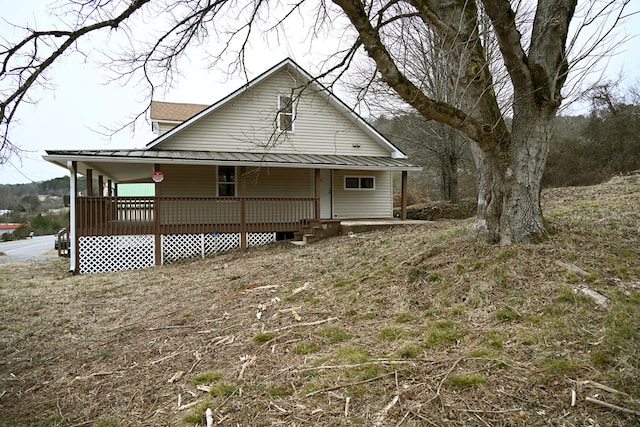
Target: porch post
x,y
317,193
72,247
403,197
243,208
156,219
89,182
101,185
109,189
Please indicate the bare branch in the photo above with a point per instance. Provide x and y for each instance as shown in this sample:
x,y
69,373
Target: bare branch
x,y
27,75
429,107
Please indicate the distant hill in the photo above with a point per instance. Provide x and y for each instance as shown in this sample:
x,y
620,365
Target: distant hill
x,y
16,196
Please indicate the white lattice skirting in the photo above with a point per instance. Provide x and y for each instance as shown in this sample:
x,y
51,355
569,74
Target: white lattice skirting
x,y
113,253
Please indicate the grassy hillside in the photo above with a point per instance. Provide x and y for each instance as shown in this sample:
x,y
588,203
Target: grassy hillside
x,y
408,327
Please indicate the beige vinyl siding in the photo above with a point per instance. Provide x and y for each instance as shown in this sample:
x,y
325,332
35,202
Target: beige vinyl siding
x,y
248,123
191,181
187,181
279,182
201,181
165,127
375,203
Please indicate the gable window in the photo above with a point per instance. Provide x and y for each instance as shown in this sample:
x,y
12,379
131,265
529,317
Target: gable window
x,y
359,183
286,113
226,181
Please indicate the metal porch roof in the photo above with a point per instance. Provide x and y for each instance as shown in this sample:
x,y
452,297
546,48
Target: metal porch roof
x,y
137,165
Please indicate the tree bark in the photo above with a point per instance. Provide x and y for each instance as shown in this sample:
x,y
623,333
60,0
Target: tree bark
x,y
509,186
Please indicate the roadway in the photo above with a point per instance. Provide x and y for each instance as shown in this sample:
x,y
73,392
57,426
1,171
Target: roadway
x,y
25,250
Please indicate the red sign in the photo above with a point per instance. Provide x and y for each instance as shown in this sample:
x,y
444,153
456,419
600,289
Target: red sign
x,y
157,176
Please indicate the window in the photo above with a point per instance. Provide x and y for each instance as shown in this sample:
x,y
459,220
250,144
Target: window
x,y
359,183
226,181
286,113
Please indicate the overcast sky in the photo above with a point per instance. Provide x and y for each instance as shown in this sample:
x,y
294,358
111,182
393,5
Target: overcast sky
x,y
81,105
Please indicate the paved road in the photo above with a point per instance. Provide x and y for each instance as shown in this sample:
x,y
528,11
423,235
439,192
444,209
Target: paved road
x,y
35,249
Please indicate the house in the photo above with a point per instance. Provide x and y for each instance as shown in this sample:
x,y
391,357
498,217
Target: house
x,y
276,154
8,228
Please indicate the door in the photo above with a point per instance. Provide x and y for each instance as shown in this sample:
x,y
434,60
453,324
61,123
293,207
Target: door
x,y
326,201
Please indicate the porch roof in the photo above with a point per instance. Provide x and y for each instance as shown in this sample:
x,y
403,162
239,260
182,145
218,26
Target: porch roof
x,y
137,165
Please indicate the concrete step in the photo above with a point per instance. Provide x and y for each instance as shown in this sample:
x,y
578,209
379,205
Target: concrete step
x,y
310,238
313,230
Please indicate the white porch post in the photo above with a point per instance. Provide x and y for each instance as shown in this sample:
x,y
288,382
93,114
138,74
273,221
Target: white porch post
x,y
243,207
72,244
159,256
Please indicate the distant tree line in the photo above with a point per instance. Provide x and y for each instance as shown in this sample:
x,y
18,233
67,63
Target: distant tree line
x,y
589,150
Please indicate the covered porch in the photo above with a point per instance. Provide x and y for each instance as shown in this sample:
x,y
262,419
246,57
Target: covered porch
x,y
114,232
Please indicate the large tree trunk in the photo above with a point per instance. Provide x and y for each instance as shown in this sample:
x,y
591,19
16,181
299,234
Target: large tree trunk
x,y
509,185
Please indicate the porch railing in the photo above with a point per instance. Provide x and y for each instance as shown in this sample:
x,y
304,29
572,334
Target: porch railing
x,y
99,216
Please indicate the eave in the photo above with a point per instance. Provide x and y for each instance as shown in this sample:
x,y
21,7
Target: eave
x,y
138,165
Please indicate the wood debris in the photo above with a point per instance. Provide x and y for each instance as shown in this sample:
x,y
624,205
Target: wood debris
x,y
293,310
612,407
248,361
95,374
301,288
380,417
258,287
208,414
598,298
317,322
573,268
175,377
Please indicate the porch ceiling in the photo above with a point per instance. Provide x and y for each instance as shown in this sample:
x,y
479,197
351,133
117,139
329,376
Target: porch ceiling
x,y
137,165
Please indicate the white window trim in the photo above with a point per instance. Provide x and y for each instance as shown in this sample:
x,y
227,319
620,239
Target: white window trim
x,y
235,182
293,114
360,188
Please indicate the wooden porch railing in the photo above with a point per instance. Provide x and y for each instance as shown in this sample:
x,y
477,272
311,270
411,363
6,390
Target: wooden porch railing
x,y
100,216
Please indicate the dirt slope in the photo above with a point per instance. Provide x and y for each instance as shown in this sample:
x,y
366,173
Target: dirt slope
x,y
406,327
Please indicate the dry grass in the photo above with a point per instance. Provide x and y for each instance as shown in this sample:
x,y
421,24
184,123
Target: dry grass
x,y
408,327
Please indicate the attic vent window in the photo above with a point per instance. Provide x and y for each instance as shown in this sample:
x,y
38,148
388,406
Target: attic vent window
x,y
286,113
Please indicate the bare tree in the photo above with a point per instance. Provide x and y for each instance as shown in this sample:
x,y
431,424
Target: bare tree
x,y
510,154
441,150
510,159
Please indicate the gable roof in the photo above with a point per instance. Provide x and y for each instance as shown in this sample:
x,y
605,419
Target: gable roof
x,y
312,84
173,111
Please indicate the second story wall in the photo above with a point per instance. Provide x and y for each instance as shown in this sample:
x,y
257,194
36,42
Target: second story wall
x,y
248,123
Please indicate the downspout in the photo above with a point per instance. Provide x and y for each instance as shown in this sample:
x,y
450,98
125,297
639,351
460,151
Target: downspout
x,y
73,191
